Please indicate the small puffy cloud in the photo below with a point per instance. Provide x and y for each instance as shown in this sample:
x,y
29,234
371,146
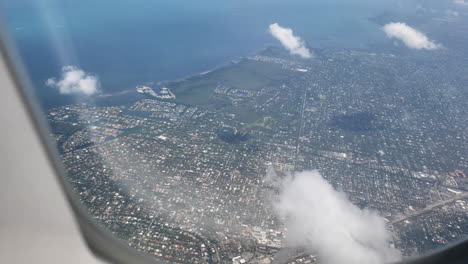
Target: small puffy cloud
x,y
411,37
461,2
451,12
292,43
75,81
326,223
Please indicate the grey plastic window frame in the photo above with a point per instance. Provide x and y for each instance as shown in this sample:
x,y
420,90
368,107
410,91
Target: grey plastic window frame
x,y
101,241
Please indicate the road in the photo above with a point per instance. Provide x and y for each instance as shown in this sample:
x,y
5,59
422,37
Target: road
x,y
301,126
429,208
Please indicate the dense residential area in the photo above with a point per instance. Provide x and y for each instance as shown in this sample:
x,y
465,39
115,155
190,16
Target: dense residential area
x,y
183,178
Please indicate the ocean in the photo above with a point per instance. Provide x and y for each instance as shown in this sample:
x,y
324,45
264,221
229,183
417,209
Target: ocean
x,y
127,43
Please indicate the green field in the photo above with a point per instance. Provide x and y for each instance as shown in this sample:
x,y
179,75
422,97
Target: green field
x,y
245,75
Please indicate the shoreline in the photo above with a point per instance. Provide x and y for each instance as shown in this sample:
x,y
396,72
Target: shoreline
x,y
186,77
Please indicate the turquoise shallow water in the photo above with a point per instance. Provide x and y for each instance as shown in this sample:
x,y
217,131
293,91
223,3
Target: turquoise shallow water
x,y
127,43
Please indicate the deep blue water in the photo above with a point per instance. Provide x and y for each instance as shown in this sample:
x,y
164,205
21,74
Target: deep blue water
x,y
127,43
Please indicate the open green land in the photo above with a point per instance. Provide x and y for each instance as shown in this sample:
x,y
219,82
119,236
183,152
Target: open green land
x,y
245,75
234,89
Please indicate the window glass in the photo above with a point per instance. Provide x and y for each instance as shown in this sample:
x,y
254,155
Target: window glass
x,y
262,131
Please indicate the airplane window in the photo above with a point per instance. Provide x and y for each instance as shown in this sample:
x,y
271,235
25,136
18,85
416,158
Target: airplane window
x,y
262,131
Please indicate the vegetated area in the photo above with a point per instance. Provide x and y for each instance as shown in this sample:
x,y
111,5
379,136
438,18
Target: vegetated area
x,y
356,122
246,75
241,82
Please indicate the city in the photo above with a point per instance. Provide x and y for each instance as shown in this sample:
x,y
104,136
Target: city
x,y
181,177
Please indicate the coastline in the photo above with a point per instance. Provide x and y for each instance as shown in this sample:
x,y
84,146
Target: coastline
x,y
132,91
217,67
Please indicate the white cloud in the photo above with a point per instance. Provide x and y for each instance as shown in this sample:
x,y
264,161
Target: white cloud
x,y
323,220
75,81
409,36
461,2
451,12
292,43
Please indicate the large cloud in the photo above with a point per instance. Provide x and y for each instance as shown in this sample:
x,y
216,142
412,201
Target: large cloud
x,y
409,36
292,43
325,222
75,81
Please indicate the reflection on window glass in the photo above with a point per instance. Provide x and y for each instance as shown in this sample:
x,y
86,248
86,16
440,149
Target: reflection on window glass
x,y
262,131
